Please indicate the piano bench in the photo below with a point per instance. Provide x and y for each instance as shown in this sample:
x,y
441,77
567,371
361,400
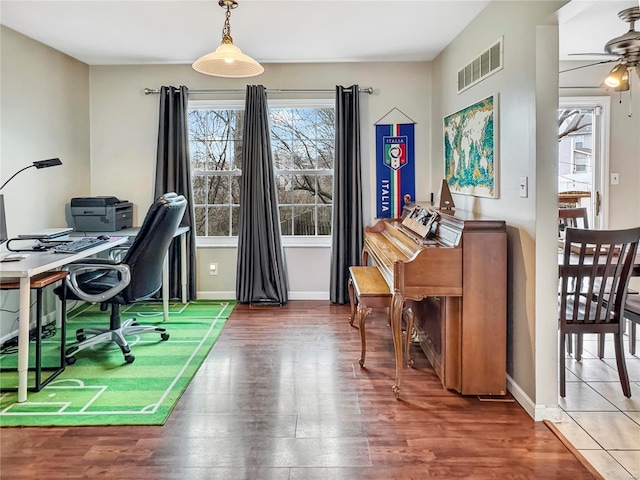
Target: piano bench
x,y
367,290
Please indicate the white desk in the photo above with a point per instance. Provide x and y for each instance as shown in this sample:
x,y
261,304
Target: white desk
x,y
130,233
35,263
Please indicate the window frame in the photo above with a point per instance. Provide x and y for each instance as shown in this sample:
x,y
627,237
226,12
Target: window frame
x,y
287,240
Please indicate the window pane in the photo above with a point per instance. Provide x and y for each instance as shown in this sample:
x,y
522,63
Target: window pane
x,y
305,120
200,219
235,220
282,156
285,220
218,189
324,220
199,192
235,189
305,189
284,188
325,189
304,221
326,154
218,221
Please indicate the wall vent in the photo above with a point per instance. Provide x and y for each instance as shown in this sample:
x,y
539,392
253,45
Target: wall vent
x,y
487,63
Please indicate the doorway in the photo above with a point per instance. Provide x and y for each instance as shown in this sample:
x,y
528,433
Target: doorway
x,y
583,162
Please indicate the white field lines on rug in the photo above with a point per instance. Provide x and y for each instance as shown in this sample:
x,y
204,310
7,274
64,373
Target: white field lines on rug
x,y
70,396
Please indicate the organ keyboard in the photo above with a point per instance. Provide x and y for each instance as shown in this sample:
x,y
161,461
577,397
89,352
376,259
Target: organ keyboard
x,y
450,267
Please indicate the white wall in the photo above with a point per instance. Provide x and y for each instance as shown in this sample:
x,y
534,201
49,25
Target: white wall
x,y
124,125
44,112
527,97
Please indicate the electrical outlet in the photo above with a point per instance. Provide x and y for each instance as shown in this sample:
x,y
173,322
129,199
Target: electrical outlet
x,y
615,179
213,269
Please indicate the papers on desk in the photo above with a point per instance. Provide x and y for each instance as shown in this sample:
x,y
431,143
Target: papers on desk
x,y
46,233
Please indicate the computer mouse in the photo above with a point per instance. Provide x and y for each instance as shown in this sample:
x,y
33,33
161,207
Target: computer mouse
x,y
103,237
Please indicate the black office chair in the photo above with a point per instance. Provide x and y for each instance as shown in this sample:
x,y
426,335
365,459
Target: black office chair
x,y
137,277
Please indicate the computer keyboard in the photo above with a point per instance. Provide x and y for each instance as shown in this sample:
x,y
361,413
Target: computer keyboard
x,y
79,245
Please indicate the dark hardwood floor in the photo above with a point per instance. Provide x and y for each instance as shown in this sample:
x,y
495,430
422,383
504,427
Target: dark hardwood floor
x,y
281,396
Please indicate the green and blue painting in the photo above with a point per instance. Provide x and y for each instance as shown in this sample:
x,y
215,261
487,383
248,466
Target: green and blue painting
x,y
469,150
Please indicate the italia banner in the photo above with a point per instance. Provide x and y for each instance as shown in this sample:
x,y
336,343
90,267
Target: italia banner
x,y
395,168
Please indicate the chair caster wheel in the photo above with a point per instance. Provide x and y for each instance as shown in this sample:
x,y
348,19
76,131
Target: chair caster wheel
x,y
69,360
164,336
129,358
81,337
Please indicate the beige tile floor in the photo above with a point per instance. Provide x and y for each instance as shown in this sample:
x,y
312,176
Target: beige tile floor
x,y
597,418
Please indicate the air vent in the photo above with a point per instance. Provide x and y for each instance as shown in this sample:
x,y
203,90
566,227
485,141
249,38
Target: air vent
x,y
488,63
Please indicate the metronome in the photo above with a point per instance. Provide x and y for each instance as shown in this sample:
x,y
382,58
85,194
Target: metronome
x,y
446,200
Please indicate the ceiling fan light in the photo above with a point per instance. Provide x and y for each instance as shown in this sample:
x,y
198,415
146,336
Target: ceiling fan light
x,y
616,76
624,83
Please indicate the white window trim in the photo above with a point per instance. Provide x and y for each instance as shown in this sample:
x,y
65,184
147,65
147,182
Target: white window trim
x,y
287,240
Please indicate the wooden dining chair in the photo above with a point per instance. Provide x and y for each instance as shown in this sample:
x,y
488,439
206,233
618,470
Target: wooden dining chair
x,y
573,217
600,261
576,217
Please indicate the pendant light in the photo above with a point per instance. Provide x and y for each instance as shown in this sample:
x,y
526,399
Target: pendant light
x,y
228,60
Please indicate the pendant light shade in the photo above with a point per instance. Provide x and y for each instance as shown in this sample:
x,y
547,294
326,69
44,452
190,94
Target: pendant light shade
x,y
228,60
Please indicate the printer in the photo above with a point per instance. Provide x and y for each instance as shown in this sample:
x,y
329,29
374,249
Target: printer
x,y
101,214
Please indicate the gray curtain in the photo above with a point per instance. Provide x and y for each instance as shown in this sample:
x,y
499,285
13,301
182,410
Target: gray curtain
x,y
261,275
173,174
346,242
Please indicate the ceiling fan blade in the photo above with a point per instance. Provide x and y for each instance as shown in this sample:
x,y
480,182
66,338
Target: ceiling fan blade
x,y
600,54
588,65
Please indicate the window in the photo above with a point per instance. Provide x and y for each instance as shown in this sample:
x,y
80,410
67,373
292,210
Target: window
x,y
302,142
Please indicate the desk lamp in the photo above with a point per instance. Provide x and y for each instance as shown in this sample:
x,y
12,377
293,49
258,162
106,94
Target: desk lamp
x,y
51,162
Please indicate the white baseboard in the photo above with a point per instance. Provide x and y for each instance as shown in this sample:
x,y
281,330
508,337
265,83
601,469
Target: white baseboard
x,y
46,319
537,412
230,295
292,295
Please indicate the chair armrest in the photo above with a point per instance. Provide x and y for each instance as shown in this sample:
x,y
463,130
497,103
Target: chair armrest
x,y
96,262
91,265
117,253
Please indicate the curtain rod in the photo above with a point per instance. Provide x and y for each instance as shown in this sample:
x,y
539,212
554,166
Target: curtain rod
x,y
151,91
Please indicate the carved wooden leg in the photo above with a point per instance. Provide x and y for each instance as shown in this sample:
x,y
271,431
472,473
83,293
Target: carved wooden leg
x,y
364,258
362,313
396,330
622,368
409,320
352,301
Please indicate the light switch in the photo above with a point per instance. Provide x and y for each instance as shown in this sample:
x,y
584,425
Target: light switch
x,y
524,187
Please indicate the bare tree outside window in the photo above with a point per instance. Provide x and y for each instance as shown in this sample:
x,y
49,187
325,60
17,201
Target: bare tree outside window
x,y
575,131
303,150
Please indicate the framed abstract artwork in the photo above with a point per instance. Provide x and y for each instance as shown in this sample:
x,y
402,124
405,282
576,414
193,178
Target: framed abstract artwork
x,y
470,157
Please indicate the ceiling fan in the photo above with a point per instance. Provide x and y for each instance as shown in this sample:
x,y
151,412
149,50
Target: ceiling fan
x,y
625,49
